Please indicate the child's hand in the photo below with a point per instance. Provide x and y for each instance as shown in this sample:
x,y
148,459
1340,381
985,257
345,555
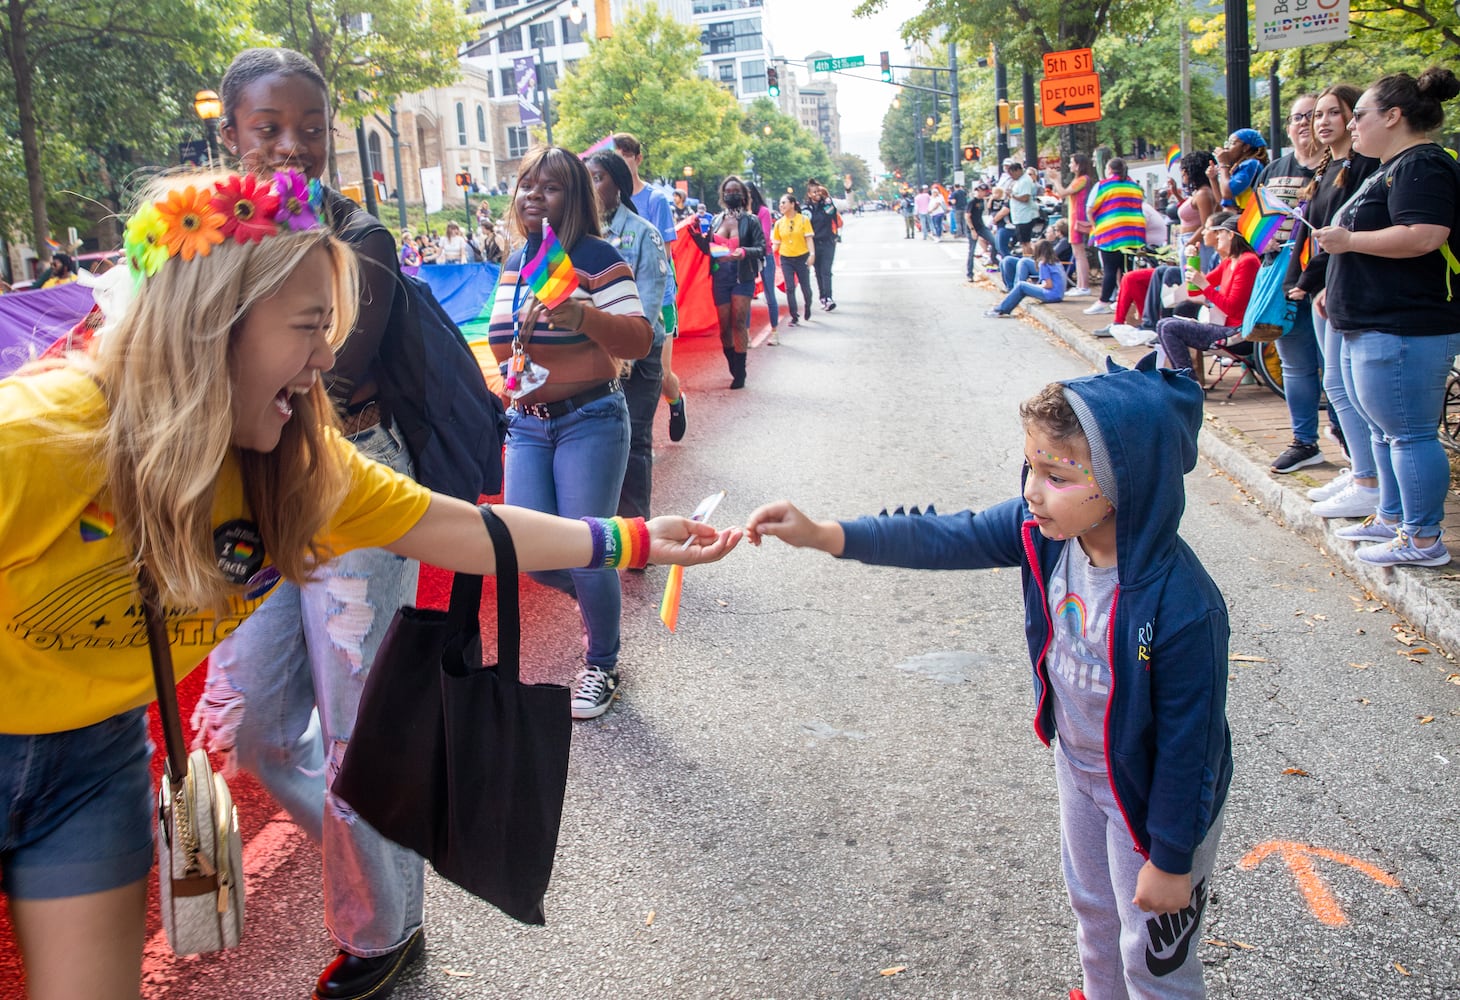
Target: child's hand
x,y
783,520
1161,892
679,540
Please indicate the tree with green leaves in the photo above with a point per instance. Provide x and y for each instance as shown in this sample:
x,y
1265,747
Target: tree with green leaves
x,y
645,80
786,153
371,50
118,74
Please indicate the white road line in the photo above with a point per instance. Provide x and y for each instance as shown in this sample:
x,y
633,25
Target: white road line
x,y
262,856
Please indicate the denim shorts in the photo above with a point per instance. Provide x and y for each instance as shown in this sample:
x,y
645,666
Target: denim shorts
x,y
723,284
77,810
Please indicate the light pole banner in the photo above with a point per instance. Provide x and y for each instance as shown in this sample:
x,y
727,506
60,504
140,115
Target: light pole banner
x,y
1287,24
526,71
431,188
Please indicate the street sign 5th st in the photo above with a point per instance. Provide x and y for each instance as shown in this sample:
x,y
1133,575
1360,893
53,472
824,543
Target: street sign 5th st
x,y
1070,62
1069,100
828,65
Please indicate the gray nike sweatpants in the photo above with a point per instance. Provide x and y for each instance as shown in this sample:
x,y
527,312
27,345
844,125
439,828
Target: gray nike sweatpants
x,y
1126,954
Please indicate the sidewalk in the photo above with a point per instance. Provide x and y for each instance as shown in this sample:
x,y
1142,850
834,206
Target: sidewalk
x,y
1244,436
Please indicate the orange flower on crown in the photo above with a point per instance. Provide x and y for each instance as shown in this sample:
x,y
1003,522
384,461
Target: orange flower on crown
x,y
193,225
248,206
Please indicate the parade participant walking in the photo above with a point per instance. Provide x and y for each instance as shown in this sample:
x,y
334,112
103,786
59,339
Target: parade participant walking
x,y
826,224
642,248
1077,211
290,659
568,435
768,269
1392,258
1128,638
735,246
1338,175
655,209
198,443
791,237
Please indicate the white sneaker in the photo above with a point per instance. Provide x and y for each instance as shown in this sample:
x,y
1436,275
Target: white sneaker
x,y
1370,529
1073,292
1330,488
1098,308
1402,551
1351,501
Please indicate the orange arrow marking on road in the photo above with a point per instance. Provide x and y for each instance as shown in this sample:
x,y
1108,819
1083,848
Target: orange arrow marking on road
x,y
1299,859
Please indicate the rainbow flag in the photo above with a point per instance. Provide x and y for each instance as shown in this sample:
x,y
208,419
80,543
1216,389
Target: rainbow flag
x,y
1261,217
673,590
551,273
1173,157
604,143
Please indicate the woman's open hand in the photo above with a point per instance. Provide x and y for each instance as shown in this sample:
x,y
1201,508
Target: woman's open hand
x,y
678,540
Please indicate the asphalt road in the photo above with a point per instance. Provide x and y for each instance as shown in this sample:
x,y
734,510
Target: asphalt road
x,y
826,785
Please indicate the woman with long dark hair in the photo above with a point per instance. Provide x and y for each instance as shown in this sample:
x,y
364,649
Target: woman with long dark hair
x,y
1391,251
736,247
768,269
1077,196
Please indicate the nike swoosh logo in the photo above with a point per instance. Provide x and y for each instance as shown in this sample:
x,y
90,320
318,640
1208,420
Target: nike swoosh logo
x,y
1165,966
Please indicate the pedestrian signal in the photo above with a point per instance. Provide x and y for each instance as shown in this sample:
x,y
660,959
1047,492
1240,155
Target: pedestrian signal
x,y
463,179
971,153
772,83
886,68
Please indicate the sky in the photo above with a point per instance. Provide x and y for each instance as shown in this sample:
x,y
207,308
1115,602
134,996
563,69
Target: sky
x,y
796,27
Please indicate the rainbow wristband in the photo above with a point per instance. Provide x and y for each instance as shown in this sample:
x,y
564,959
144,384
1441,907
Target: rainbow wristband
x,y
618,542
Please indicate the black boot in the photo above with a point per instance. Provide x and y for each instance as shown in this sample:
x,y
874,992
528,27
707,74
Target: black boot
x,y
350,977
729,353
737,369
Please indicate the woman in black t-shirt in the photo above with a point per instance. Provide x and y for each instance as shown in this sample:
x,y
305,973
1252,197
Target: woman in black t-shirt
x,y
1392,262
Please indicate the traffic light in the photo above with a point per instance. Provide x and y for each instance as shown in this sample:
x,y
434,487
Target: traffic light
x,y
773,83
886,69
971,153
463,179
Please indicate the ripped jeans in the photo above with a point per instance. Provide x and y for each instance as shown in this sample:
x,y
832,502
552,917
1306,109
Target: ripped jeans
x,y
309,648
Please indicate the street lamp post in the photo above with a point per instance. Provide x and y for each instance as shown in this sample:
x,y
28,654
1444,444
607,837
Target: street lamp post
x,y
689,173
209,107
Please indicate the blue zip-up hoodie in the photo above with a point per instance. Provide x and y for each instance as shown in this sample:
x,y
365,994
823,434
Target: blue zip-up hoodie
x,y
1168,750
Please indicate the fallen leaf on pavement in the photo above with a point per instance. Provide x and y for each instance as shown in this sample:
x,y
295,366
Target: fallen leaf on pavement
x,y
893,970
1453,678
458,973
1425,720
1402,970
649,920
1361,666
1296,770
1244,658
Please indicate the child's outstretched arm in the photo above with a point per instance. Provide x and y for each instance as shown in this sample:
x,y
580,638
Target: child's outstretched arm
x,y
781,519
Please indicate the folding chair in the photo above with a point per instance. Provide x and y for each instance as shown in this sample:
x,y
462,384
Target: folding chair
x,y
1245,356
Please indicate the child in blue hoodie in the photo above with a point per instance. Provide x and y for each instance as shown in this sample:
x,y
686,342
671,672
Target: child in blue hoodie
x,y
1128,637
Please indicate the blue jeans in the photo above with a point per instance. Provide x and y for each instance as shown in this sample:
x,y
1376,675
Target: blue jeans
x,y
641,395
1340,394
938,219
1017,269
1027,289
1399,390
1003,240
1298,352
311,647
927,223
768,279
573,466
79,810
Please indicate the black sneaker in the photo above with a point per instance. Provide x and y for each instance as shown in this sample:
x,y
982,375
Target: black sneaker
x,y
593,691
676,418
1298,455
830,304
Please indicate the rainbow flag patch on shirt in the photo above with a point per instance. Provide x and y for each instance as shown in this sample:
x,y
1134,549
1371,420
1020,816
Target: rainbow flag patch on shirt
x,y
96,523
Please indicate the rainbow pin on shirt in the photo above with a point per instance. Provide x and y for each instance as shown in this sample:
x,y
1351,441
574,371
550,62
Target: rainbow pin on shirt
x,y
550,274
96,523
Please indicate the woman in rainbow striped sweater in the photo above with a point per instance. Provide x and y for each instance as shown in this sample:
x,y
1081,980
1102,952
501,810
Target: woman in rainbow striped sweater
x,y
1117,224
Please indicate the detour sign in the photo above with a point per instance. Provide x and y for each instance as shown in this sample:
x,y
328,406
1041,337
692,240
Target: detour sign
x,y
1069,100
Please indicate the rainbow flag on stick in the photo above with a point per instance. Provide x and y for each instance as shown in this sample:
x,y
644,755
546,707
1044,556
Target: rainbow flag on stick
x,y
674,585
1261,217
550,273
1173,157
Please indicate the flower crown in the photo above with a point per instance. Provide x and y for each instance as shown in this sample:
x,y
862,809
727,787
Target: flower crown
x,y
191,221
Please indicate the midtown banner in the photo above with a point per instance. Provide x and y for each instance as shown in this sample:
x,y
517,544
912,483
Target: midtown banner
x,y
1287,24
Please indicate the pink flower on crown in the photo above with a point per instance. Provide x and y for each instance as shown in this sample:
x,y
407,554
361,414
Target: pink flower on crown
x,y
296,205
248,208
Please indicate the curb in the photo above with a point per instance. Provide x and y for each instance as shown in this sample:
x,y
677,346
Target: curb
x,y
1410,591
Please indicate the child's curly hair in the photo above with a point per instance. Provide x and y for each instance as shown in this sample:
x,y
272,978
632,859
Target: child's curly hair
x,y
1051,412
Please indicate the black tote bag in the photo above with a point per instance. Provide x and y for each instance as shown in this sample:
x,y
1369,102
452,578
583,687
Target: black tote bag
x,y
461,762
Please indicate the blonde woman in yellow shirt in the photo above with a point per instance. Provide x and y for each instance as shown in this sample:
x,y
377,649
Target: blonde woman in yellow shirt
x,y
791,237
200,442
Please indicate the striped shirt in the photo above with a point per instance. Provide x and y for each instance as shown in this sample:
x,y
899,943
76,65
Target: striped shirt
x,y
604,282
1116,219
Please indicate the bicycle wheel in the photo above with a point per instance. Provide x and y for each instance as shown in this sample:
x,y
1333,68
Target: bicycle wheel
x,y
1269,367
1450,416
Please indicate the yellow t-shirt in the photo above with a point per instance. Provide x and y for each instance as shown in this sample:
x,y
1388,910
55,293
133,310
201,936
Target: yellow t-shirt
x,y
73,640
792,231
